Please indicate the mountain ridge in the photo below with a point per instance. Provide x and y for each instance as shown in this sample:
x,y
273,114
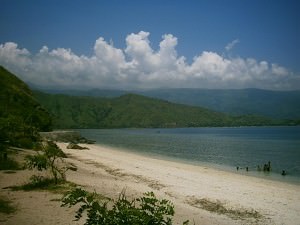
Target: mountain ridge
x,y
129,110
268,103
21,115
136,111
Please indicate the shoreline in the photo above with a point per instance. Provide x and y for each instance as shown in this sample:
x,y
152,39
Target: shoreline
x,y
272,176
108,171
226,152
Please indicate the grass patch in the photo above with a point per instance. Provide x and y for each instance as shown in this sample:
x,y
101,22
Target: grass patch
x,y
9,164
6,207
45,184
220,208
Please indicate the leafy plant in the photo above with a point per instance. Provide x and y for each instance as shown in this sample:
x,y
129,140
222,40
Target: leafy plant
x,y
51,158
145,210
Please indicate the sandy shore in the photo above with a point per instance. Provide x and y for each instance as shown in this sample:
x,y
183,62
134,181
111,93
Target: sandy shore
x,y
200,194
197,192
32,207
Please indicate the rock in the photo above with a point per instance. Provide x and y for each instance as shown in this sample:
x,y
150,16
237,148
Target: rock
x,y
65,136
75,146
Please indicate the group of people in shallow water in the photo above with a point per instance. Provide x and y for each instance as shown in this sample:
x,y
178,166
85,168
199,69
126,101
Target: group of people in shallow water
x,y
265,168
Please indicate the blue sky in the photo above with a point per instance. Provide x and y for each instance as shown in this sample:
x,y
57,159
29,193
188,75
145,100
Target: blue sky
x,y
209,41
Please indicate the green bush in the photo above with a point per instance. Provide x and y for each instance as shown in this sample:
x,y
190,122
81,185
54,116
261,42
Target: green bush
x,y
51,158
145,210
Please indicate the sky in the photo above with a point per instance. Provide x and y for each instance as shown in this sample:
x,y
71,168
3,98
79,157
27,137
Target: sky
x,y
132,44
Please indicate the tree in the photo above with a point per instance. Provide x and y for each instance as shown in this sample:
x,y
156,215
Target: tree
x,y
50,158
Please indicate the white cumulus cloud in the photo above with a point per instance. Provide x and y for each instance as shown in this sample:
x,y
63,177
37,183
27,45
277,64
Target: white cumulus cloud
x,y
138,65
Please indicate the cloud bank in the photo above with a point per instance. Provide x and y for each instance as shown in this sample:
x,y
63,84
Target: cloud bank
x,y
139,66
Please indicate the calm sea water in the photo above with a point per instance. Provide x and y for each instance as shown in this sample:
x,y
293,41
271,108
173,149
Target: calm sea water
x,y
222,148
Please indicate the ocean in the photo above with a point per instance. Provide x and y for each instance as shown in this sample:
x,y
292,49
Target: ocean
x,y
220,148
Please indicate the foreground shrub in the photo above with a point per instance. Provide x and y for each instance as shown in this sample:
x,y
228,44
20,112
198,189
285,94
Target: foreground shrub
x,y
50,158
145,210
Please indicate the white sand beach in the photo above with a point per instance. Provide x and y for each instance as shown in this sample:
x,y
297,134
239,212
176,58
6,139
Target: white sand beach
x,y
196,191
202,195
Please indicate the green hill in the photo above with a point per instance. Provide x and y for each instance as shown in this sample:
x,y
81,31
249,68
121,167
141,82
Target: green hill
x,y
274,104
75,112
21,116
132,110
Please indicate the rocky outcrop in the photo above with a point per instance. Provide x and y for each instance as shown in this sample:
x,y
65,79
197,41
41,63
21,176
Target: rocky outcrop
x,y
66,136
76,146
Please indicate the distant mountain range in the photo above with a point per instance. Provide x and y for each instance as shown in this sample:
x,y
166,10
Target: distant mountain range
x,y
136,111
274,104
24,112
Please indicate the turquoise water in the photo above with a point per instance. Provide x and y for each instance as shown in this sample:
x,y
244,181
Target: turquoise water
x,y
222,148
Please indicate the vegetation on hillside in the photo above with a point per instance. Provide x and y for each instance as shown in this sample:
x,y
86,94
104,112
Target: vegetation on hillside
x,y
21,116
273,104
132,110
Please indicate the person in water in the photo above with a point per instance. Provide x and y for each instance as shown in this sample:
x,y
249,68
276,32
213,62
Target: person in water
x,y
267,167
258,168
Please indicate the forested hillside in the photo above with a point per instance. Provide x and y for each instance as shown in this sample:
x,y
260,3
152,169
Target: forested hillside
x,y
21,116
24,113
274,104
132,110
